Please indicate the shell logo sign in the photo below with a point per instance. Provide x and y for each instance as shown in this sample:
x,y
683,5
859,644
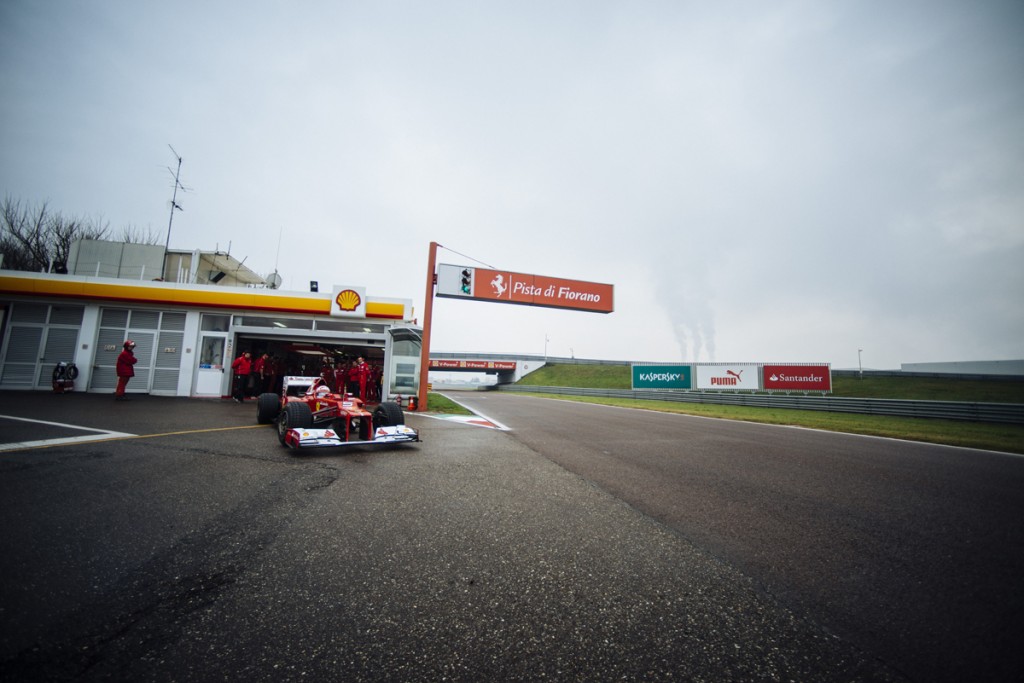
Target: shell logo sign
x,y
349,301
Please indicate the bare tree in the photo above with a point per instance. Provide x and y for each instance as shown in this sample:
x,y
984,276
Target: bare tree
x,y
131,234
37,239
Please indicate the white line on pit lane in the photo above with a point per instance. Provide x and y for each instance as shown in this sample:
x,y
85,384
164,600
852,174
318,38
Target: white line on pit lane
x,y
99,436
474,420
477,418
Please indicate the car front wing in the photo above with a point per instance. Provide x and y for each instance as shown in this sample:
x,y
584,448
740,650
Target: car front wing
x,y
326,438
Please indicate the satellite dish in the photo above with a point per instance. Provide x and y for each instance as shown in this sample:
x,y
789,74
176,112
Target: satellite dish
x,y
274,280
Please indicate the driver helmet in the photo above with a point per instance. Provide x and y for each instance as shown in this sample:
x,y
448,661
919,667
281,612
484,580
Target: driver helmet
x,y
129,344
323,390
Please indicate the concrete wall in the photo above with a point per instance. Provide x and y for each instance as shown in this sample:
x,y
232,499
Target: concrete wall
x,y
100,258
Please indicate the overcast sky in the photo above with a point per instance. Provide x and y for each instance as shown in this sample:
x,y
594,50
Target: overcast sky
x,y
760,181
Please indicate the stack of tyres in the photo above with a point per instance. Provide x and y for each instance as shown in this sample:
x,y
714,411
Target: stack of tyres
x,y
64,376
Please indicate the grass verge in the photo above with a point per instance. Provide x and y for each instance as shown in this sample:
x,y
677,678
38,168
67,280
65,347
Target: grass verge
x,y
910,388
436,403
984,435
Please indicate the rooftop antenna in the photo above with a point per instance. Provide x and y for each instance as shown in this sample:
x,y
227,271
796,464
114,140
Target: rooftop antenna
x,y
278,254
274,279
174,198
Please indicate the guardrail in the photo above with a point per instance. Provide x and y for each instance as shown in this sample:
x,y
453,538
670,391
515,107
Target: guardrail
x,y
1011,413
559,360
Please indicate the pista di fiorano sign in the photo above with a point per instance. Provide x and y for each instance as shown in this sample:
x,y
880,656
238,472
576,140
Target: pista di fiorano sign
x,y
502,286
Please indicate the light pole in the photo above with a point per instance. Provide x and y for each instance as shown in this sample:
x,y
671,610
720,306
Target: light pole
x,y
546,340
860,365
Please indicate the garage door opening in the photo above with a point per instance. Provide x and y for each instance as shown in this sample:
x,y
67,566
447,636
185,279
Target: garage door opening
x,y
331,361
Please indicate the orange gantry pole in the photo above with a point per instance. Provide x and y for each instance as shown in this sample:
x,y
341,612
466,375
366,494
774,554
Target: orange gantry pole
x,y
428,312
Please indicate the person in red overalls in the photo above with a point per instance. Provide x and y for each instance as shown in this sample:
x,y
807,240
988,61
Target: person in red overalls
x,y
352,380
361,377
340,377
259,373
376,372
125,369
242,368
327,374
272,369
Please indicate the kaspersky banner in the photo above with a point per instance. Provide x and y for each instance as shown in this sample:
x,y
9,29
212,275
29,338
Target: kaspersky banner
x,y
725,377
502,286
797,378
662,376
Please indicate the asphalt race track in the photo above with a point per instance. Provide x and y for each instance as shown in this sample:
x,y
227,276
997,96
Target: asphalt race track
x,y
173,539
912,552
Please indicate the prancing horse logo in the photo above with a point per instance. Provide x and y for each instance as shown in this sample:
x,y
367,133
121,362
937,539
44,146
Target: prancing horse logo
x,y
499,285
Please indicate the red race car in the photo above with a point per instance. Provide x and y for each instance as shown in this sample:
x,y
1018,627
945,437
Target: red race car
x,y
308,414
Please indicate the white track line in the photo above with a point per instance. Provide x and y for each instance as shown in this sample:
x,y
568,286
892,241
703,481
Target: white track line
x,y
99,436
497,425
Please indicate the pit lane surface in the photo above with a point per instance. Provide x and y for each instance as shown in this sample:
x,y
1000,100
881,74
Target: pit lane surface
x,y
201,550
912,552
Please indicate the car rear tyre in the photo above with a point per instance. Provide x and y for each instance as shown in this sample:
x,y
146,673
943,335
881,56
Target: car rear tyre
x,y
267,408
294,416
388,415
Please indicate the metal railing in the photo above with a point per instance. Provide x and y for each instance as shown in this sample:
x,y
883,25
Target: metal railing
x,y
560,360
1011,413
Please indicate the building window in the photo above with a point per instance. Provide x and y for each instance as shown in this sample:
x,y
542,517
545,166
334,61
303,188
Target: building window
x,y
215,323
359,328
277,323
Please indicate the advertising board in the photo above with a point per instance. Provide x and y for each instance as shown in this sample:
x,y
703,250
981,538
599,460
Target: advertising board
x,y
797,378
728,377
348,301
662,376
502,286
442,364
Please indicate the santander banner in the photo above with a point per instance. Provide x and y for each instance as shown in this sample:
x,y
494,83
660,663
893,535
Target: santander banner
x,y
539,290
797,378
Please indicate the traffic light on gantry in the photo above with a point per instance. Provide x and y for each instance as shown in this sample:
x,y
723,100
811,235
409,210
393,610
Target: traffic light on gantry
x,y
467,281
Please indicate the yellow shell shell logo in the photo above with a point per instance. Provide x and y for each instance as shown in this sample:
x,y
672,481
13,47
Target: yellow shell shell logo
x,y
348,300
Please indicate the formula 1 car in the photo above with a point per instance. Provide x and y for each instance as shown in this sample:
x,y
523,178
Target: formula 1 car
x,y
308,414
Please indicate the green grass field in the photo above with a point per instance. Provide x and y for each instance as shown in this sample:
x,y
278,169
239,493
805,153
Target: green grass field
x,y
436,403
989,436
911,388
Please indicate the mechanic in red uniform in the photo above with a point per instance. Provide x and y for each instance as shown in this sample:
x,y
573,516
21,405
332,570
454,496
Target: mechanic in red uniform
x,y
125,369
259,373
327,373
352,380
361,373
270,372
376,373
242,368
340,377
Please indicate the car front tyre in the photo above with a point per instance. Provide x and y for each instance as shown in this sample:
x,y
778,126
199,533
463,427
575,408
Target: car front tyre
x,y
388,415
294,416
267,408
